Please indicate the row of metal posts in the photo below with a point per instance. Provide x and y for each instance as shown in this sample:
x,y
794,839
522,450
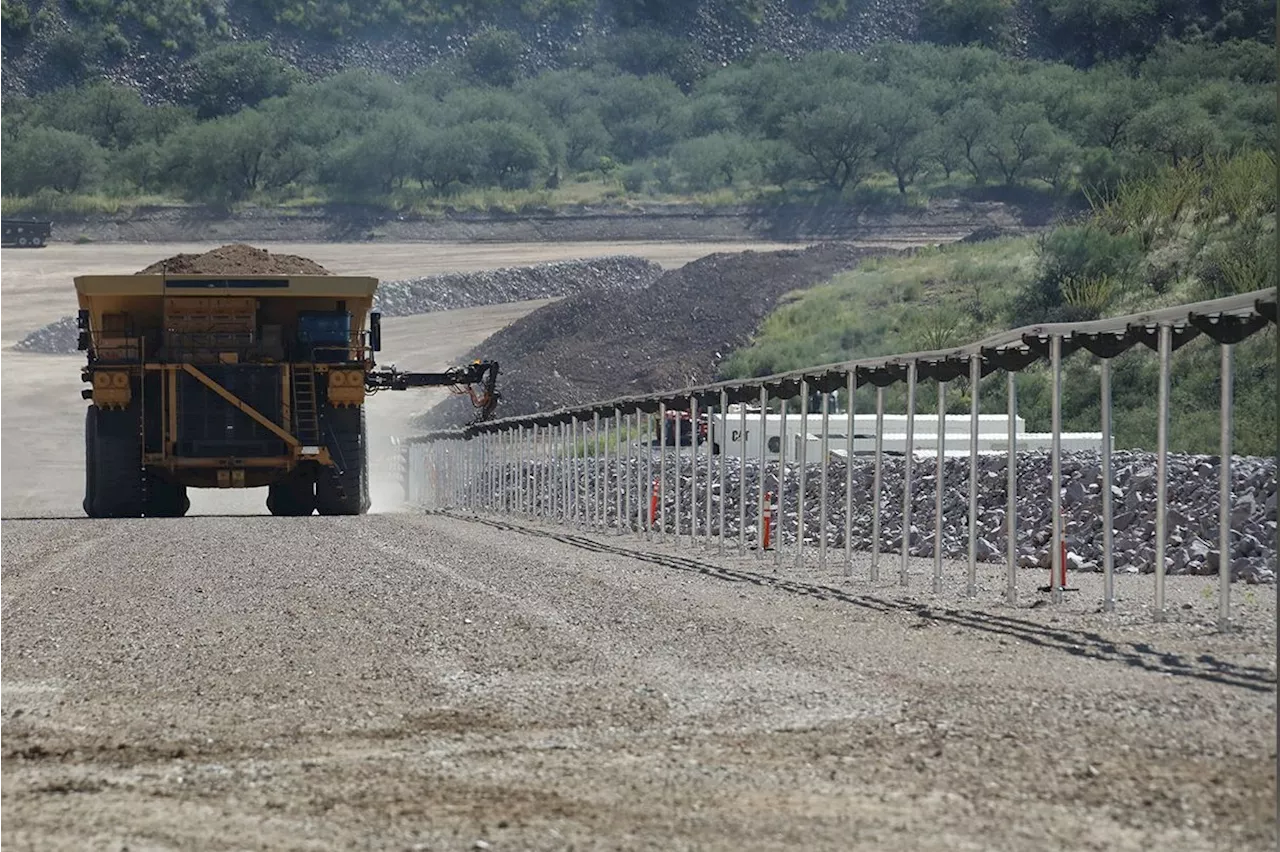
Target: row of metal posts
x,y
564,474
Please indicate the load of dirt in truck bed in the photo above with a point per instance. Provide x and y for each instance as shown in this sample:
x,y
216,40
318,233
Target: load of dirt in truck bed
x,y
235,259
597,345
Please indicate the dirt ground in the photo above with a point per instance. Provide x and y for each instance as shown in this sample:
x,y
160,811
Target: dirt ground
x,y
410,682
42,414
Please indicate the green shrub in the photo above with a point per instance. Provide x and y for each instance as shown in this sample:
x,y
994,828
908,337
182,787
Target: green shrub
x,y
984,22
493,56
1079,268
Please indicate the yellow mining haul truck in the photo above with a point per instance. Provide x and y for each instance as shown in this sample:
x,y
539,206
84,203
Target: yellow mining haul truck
x,y
216,381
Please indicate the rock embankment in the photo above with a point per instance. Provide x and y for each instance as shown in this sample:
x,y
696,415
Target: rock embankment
x,y
1192,545
513,284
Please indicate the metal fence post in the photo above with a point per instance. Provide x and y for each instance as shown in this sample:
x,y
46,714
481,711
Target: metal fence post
x,y
907,458
1162,470
852,387
645,493
940,486
975,382
1011,496
724,414
693,471
1224,491
662,471
742,478
620,494
1055,555
802,472
824,486
763,435
782,475
712,434
876,486
1108,481
676,461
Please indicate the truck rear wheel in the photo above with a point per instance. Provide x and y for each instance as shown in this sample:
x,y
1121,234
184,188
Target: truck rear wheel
x,y
293,496
114,481
166,499
344,490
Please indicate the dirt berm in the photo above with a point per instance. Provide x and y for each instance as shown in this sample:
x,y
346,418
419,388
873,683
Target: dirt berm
x,y
235,259
671,334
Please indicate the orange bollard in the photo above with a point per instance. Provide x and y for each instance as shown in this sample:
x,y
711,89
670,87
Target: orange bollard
x,y
766,536
653,504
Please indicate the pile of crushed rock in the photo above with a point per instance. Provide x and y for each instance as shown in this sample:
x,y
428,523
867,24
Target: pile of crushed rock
x,y
1192,544
513,284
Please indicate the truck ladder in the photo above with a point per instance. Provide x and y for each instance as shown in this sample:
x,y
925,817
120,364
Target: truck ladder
x,y
306,416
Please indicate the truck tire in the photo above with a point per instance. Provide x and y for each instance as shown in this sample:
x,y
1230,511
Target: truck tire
x,y
292,497
344,490
90,461
114,480
166,499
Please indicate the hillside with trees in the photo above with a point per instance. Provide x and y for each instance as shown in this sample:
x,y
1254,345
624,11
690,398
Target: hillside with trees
x,y
894,124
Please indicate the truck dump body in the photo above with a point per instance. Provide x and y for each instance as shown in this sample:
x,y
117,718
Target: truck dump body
x,y
232,381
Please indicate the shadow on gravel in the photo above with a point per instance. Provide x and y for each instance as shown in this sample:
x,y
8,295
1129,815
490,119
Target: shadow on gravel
x,y
1078,643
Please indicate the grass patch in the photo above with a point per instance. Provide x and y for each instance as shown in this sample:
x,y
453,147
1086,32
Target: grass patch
x,y
934,298
75,204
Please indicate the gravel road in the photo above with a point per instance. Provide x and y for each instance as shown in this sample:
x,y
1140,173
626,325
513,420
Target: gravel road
x,y
404,681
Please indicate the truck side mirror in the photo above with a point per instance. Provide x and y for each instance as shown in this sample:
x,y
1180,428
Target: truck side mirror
x,y
375,331
82,343
82,320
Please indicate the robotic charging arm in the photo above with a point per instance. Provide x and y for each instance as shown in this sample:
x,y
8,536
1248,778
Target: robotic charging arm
x,y
478,379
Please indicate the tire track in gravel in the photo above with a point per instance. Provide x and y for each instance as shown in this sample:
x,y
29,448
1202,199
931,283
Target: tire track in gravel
x,y
314,683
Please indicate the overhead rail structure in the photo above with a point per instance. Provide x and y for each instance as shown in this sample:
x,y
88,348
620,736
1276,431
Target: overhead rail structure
x,y
594,466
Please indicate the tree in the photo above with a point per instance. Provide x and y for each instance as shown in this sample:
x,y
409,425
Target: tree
x,y
586,140
509,154
230,77
1021,134
1174,128
645,50
967,128
903,143
447,156
983,22
113,116
45,157
228,159
715,160
1089,31
382,158
493,56
1108,108
837,142
642,115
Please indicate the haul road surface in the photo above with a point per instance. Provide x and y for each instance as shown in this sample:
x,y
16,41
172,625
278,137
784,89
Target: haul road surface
x,y
405,681
401,681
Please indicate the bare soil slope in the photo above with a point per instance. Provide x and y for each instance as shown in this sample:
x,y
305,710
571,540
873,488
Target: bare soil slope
x,y
671,334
